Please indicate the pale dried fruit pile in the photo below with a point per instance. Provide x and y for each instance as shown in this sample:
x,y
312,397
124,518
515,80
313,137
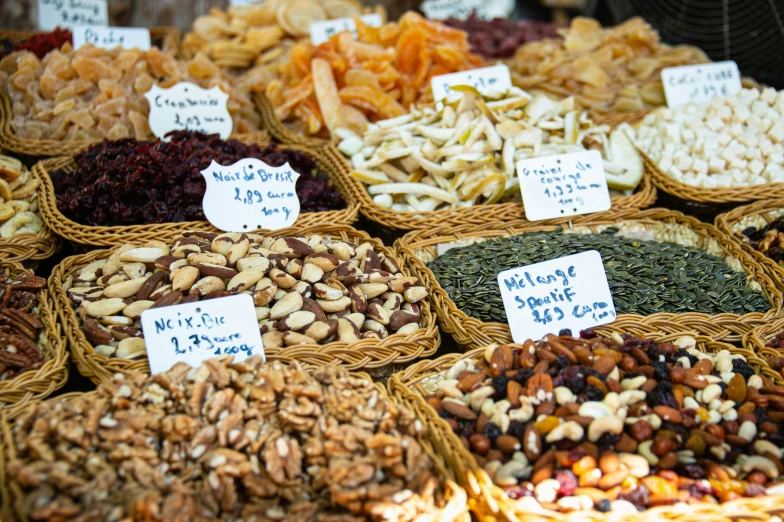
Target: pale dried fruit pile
x,y
307,290
224,441
93,93
19,212
616,423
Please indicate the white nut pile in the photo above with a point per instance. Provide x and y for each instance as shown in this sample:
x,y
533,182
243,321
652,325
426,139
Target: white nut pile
x,y
307,290
728,142
466,153
18,199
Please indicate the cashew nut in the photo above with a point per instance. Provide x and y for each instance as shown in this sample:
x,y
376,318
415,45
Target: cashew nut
x,y
644,449
594,409
758,463
637,464
478,396
686,341
567,430
563,395
510,473
524,412
604,425
765,446
20,220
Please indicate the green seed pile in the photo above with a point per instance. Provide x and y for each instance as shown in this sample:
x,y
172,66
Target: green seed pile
x,y
645,277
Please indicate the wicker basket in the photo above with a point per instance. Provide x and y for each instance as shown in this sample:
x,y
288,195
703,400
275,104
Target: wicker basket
x,y
756,214
117,235
644,196
279,131
53,373
366,354
757,340
471,333
490,502
169,37
455,510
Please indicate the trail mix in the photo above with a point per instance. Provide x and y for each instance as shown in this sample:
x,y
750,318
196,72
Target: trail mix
x,y
116,183
767,239
307,290
20,325
466,153
19,212
246,441
615,423
777,343
94,93
645,276
500,37
733,141
614,69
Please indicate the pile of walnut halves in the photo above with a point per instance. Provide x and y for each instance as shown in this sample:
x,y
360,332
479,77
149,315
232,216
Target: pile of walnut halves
x,y
20,326
245,441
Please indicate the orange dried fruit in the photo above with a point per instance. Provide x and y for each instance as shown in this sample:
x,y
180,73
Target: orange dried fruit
x,y
371,100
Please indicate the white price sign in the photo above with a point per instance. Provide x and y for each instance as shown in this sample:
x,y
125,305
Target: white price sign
x,y
568,292
250,195
111,37
494,78
194,332
462,9
69,13
700,83
323,30
186,106
563,185
243,2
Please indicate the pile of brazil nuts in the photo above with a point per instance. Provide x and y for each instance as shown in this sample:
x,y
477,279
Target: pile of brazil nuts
x,y
243,441
307,290
618,423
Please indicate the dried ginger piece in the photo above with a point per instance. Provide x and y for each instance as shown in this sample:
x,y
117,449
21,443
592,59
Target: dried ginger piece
x,y
597,65
95,93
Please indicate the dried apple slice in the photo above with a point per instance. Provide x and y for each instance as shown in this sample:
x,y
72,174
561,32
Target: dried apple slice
x,y
341,9
295,17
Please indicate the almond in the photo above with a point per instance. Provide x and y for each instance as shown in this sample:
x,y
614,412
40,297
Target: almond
x,y
461,411
468,381
497,363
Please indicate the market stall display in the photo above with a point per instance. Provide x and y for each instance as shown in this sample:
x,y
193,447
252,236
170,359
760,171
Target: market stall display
x,y
609,421
348,82
23,235
767,341
615,69
730,149
33,352
634,279
97,200
226,441
258,34
71,99
500,37
322,294
465,156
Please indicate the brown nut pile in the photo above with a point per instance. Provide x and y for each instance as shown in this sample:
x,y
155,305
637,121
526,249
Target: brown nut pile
x,y
307,290
616,423
247,441
20,326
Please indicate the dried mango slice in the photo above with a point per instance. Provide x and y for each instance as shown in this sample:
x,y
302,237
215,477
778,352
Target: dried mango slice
x,y
361,77
295,96
326,92
371,100
408,50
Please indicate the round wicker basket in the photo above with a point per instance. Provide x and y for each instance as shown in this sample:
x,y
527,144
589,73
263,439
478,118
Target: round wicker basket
x,y
366,354
490,503
279,131
757,341
471,333
39,383
117,235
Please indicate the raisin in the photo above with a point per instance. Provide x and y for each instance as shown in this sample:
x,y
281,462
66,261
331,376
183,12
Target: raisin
x,y
574,378
499,383
692,471
593,393
743,368
639,496
662,395
522,375
492,431
565,332
603,506
516,430
661,371
588,333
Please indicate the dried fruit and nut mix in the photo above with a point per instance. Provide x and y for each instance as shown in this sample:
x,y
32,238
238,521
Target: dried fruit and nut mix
x,y
734,141
18,199
607,70
777,343
648,271
347,82
261,33
465,154
307,290
129,182
615,423
21,328
246,441
93,93
767,239
500,37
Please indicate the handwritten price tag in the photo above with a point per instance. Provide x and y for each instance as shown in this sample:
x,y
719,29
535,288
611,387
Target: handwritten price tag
x,y
700,83
323,30
568,292
186,106
495,78
250,195
243,2
69,13
563,185
194,332
462,9
111,37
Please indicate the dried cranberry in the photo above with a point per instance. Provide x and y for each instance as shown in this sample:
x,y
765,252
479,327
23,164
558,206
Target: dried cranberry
x,y
565,332
639,496
588,333
567,482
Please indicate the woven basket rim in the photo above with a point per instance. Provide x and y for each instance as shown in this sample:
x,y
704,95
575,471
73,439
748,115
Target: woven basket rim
x,y
278,129
109,236
53,373
643,197
366,354
471,332
757,340
455,495
714,196
491,503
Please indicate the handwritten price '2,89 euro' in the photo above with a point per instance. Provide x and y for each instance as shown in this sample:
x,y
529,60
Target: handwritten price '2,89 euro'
x,y
568,292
